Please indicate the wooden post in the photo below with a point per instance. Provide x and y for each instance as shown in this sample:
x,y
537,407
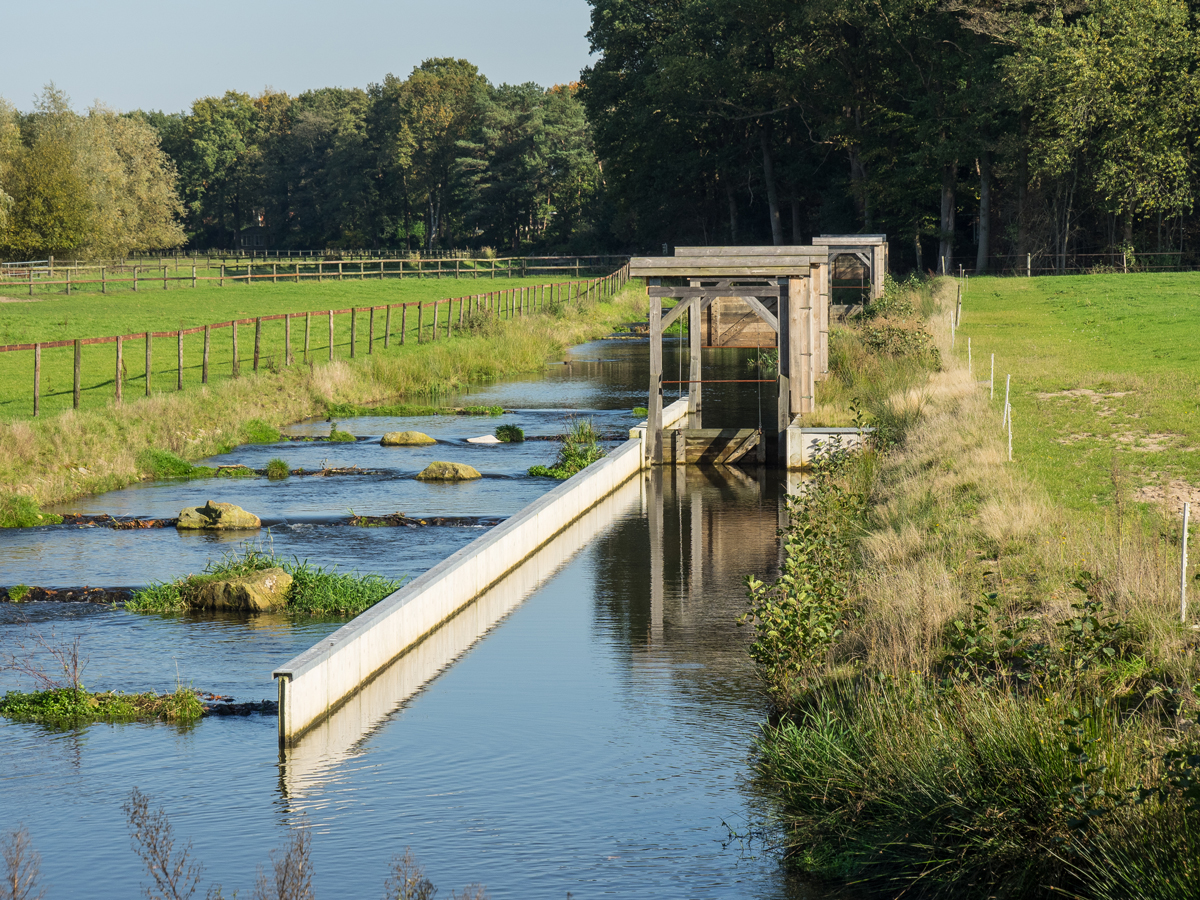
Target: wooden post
x,y
37,380
420,320
371,333
821,286
78,363
119,378
29,273
436,308
307,332
331,335
1187,509
236,363
387,323
340,276
164,278
449,316
353,327
800,340
148,366
193,276
287,339
461,311
179,360
207,348
222,274
695,409
403,320
654,423
257,340
68,282
135,274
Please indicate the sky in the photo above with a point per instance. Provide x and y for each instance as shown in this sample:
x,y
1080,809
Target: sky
x,y
135,54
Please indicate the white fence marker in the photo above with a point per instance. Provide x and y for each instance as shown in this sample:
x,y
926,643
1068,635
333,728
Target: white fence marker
x,y
1187,508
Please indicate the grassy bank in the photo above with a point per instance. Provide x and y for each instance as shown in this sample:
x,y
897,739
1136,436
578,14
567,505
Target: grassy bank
x,y
1102,365
76,453
981,693
315,591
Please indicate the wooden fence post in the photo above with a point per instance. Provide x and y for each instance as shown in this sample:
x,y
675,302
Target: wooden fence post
x,y
207,346
37,380
78,362
68,282
287,339
193,276
403,322
307,317
420,321
179,361
119,378
387,321
1187,508
353,327
149,343
274,273
222,274
236,365
436,306
164,277
331,335
371,333
257,340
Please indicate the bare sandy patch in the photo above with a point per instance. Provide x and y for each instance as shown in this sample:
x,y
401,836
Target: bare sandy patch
x,y
1171,496
1074,393
21,299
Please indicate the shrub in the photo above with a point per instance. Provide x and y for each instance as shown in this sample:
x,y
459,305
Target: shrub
x,y
510,434
640,412
340,437
277,469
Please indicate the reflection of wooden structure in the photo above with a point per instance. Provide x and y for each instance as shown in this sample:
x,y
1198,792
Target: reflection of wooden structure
x,y
786,288
871,250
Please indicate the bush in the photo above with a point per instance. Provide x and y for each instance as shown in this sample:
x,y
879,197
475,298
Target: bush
x,y
75,706
640,412
340,437
577,450
510,434
277,469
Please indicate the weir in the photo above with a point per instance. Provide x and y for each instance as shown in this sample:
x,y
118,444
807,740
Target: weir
x,y
317,683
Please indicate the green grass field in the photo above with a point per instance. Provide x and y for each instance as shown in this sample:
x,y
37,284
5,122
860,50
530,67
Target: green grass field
x,y
54,317
1104,368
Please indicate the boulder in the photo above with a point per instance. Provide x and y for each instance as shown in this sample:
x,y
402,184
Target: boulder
x,y
266,589
486,439
406,439
216,517
448,471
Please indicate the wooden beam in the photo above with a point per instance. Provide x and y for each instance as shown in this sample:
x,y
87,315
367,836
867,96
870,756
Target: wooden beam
x,y
763,313
819,282
672,314
784,250
721,289
654,426
694,340
849,240
730,267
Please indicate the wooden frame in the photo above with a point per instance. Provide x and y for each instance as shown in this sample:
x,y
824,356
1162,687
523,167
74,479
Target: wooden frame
x,y
871,249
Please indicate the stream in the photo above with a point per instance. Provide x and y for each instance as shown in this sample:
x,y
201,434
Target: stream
x,y
585,736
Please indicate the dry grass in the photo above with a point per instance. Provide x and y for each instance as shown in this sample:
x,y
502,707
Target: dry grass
x,y
78,453
952,518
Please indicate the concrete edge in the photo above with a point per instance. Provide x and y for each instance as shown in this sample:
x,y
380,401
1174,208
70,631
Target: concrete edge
x,y
327,647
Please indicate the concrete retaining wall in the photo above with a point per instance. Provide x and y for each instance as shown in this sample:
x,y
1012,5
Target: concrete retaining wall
x,y
801,445
325,676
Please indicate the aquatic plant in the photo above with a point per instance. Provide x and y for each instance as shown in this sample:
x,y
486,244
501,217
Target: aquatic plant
x,y
315,590
578,449
75,706
510,434
340,437
640,412
18,592
278,469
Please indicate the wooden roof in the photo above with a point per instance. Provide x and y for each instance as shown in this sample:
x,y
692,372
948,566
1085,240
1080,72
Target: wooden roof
x,y
735,264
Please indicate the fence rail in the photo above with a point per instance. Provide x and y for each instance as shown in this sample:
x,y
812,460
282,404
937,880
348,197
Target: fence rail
x,y
507,303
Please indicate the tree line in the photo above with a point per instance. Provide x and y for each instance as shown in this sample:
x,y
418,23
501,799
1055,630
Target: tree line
x,y
965,129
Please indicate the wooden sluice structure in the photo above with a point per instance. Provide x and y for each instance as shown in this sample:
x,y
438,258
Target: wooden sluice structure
x,y
776,297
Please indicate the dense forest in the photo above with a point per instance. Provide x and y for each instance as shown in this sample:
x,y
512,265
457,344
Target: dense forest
x,y
969,131
975,130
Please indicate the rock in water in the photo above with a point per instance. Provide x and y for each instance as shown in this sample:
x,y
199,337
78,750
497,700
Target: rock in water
x,y
486,439
448,471
266,589
216,517
406,439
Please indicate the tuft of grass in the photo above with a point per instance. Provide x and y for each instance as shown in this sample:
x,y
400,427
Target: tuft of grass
x,y
20,511
164,464
640,412
577,450
18,592
481,411
397,410
71,707
510,434
315,591
337,436
256,431
278,469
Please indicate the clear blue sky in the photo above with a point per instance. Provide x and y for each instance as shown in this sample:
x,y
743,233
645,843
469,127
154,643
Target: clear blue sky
x,y
133,54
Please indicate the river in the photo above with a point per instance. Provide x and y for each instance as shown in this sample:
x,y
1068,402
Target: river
x,y
587,737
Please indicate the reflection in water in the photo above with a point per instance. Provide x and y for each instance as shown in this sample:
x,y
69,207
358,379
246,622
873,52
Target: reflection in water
x,y
334,740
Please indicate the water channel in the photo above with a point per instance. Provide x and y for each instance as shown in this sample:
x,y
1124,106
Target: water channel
x,y
585,734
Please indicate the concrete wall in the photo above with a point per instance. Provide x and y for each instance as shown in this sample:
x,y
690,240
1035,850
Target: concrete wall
x,y
320,680
672,415
801,445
